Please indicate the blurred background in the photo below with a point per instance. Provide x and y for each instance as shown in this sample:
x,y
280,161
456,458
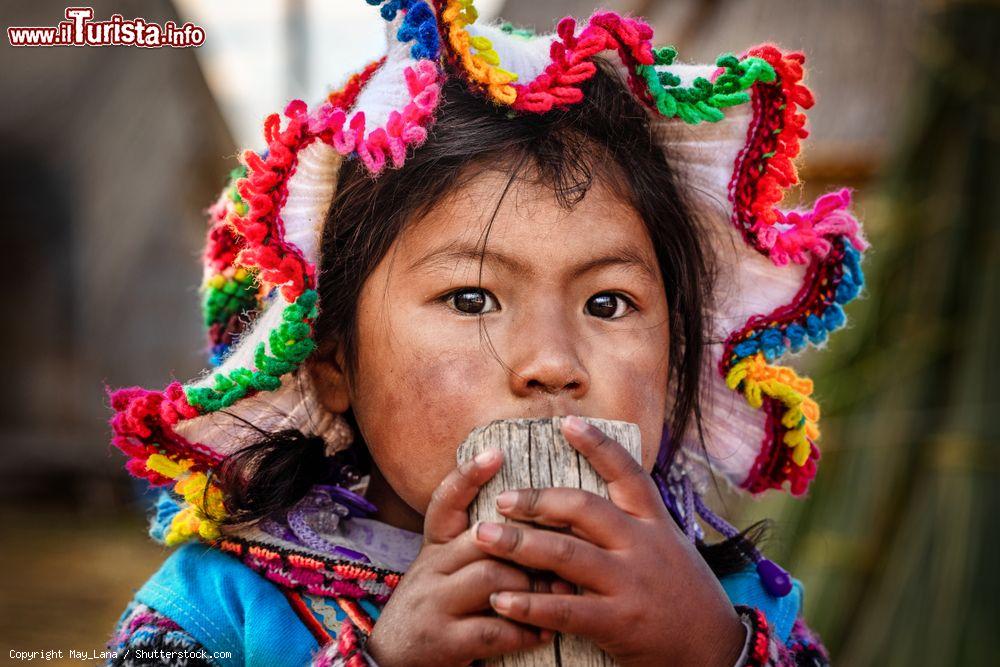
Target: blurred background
x,y
111,154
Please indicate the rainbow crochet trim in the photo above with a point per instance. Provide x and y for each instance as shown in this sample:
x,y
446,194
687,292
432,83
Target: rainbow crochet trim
x,y
828,239
251,268
247,261
572,56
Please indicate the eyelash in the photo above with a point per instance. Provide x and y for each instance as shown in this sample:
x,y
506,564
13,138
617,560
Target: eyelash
x,y
448,298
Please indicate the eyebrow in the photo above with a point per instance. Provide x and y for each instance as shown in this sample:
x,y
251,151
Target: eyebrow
x,y
625,256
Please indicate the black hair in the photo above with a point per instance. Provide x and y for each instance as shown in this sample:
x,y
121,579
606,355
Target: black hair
x,y
607,136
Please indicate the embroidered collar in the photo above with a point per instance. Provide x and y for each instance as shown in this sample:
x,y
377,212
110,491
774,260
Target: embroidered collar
x,y
341,555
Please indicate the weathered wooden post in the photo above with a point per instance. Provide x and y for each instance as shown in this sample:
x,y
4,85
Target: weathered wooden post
x,y
536,455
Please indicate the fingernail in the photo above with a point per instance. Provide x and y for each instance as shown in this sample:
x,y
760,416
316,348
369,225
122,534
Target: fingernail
x,y
500,601
575,425
506,500
488,532
482,458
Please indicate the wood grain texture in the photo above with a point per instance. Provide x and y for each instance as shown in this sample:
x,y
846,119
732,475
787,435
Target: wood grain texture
x,y
536,455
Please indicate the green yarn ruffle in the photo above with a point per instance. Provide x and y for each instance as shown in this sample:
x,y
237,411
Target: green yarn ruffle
x,y
703,100
289,344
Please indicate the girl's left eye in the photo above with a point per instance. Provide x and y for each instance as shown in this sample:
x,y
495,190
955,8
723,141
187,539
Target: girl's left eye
x,y
608,305
471,301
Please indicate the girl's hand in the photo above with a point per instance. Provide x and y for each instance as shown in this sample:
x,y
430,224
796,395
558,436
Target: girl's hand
x,y
439,613
648,598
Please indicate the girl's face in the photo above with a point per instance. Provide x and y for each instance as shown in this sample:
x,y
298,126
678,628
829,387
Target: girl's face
x,y
565,314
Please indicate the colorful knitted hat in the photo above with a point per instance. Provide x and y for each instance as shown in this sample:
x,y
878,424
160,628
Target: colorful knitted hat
x,y
733,129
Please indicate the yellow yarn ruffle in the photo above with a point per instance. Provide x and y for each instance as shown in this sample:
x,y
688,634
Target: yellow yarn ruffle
x,y
480,60
219,280
192,520
755,378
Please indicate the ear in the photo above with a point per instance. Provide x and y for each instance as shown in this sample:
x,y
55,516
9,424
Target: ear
x,y
330,381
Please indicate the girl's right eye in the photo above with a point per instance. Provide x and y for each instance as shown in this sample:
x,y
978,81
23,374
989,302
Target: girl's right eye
x,y
471,301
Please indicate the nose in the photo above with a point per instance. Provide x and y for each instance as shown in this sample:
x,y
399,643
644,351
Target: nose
x,y
547,362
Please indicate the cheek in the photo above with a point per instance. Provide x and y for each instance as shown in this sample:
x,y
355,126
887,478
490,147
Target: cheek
x,y
414,411
634,377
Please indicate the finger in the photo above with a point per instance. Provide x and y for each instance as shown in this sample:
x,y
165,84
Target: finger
x,y
571,558
583,615
468,590
447,514
457,553
629,486
477,637
586,514
546,582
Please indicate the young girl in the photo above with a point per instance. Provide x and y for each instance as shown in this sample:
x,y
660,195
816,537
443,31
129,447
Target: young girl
x,y
487,224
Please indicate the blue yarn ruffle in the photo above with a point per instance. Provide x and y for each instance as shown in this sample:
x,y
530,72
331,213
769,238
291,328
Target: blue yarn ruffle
x,y
772,342
419,25
166,508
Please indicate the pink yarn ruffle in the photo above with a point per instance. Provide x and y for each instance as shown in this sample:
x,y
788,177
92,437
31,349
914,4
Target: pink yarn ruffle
x,y
796,234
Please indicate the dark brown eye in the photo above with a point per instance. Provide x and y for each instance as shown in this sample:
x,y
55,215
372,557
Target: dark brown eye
x,y
472,301
607,305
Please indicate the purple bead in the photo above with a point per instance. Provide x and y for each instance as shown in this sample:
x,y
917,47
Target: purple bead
x,y
351,553
357,505
775,580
